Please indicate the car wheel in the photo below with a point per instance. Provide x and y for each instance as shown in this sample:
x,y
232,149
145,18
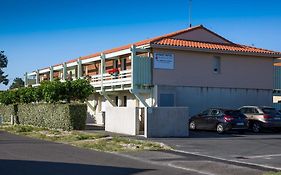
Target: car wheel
x,y
220,128
192,125
256,127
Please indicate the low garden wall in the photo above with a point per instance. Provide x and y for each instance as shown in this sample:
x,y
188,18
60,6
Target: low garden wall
x,y
6,111
59,116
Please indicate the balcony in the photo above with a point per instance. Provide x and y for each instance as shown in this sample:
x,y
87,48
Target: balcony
x,y
136,76
109,82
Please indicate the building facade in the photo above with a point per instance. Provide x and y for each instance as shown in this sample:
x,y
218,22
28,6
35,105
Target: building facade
x,y
194,67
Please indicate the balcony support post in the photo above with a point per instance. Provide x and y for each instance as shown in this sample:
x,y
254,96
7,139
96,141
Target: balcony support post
x,y
51,73
64,71
37,77
133,55
79,69
102,69
25,79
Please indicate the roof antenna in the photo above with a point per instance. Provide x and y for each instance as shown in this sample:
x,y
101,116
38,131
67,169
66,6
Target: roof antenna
x,y
189,12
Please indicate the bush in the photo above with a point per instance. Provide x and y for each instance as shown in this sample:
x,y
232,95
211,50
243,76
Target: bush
x,y
81,90
52,91
6,111
58,116
26,95
9,97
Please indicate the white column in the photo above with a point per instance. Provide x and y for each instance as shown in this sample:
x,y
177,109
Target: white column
x,y
51,73
64,71
25,80
102,69
79,69
133,54
37,77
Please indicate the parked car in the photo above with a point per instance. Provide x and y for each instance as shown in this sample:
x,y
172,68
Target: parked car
x,y
262,117
220,120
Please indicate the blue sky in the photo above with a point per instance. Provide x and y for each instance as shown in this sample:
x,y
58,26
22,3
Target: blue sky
x,y
39,33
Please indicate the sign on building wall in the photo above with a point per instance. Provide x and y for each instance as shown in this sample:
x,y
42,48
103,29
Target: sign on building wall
x,y
164,61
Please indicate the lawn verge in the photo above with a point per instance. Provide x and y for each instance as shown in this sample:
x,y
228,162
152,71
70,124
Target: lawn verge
x,y
95,141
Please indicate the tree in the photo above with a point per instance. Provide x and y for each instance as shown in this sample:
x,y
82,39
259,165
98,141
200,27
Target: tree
x,y
17,83
3,64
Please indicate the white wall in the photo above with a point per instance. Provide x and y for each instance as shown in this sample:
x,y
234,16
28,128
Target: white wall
x,y
166,122
121,120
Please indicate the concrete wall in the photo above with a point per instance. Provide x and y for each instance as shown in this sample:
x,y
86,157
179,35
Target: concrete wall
x,y
201,98
121,120
166,122
196,69
97,103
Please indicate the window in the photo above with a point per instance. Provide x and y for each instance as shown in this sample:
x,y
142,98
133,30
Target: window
x,y
125,101
205,112
215,112
217,65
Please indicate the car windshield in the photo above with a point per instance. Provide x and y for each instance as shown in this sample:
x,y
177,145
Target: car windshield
x,y
270,111
234,113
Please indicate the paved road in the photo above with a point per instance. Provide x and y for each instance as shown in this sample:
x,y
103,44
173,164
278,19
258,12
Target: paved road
x,y
21,155
262,149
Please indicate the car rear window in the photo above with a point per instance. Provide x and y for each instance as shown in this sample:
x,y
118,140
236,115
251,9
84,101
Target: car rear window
x,y
269,111
234,113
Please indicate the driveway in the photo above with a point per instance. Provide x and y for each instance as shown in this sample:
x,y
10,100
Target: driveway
x,y
22,155
258,149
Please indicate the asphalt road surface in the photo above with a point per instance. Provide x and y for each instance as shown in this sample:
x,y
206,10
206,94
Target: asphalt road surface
x,y
262,149
26,156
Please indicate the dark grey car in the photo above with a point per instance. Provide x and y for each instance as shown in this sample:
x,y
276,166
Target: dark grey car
x,y
220,120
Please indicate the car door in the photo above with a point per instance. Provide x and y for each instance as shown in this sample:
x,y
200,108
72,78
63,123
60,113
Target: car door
x,y
212,119
201,119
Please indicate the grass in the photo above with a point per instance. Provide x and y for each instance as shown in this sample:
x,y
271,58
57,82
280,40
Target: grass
x,y
95,141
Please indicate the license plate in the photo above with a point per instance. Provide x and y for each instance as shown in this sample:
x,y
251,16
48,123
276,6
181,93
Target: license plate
x,y
239,124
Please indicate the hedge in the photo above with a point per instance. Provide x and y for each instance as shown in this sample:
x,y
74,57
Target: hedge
x,y
6,111
59,116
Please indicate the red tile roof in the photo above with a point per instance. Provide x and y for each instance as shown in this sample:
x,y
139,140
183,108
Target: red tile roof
x,y
213,46
169,41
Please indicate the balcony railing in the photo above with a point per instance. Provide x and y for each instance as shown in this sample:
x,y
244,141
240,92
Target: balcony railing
x,y
110,80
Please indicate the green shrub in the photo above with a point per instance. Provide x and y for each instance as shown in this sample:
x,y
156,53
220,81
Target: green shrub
x,y
52,91
9,97
6,111
59,116
26,95
81,90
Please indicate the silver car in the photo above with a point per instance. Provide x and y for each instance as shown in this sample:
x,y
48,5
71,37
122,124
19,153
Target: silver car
x,y
260,117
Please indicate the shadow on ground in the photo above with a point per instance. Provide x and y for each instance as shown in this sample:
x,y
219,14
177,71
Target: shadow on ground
x,y
19,167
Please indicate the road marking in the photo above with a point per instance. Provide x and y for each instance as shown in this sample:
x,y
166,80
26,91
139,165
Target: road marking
x,y
234,161
264,156
162,164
